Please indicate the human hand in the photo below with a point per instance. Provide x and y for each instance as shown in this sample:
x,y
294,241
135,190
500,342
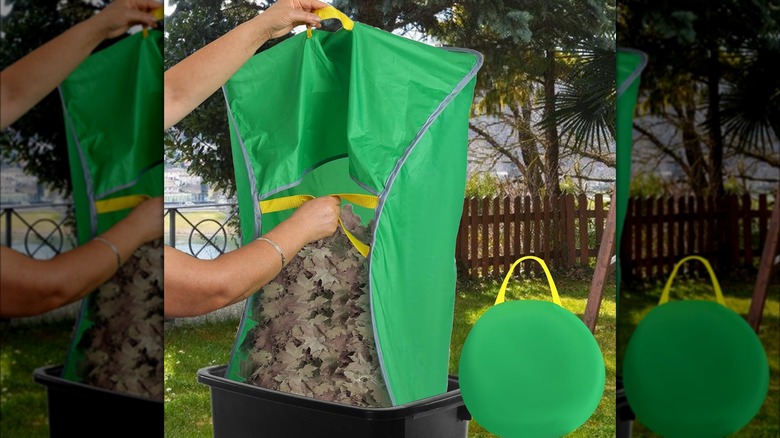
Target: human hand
x,y
119,15
147,219
283,15
317,218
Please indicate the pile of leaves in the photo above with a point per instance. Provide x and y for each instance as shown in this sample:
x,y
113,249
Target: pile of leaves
x,y
123,348
314,335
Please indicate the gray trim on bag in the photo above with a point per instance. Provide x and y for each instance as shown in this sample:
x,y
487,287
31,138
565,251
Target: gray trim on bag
x,y
250,171
364,187
634,74
93,216
258,224
131,183
388,186
302,177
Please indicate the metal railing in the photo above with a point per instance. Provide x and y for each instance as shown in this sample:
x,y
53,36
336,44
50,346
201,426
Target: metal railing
x,y
43,231
208,237
41,238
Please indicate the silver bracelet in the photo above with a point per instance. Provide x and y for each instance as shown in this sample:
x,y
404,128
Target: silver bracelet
x,y
279,250
113,248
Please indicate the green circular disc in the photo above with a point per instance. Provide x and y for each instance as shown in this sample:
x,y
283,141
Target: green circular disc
x,y
531,369
695,369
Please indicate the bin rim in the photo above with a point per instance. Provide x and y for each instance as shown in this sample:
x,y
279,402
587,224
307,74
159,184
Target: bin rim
x,y
50,376
637,71
213,376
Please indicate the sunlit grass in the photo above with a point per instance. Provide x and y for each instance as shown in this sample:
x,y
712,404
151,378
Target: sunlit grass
x,y
23,403
638,301
187,349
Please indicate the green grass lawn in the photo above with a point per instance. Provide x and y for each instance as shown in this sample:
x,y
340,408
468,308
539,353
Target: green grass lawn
x,y
189,347
23,403
637,301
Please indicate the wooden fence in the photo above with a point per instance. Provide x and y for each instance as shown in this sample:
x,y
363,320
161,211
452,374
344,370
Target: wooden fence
x,y
564,231
730,231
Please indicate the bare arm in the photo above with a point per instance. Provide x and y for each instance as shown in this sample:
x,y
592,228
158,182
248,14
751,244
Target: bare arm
x,y
194,79
31,287
27,81
194,287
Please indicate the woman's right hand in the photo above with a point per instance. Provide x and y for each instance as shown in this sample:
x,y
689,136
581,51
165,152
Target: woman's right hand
x,y
317,218
282,16
120,15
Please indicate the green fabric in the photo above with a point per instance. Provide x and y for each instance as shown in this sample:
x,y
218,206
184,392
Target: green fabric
x,y
113,120
340,112
629,67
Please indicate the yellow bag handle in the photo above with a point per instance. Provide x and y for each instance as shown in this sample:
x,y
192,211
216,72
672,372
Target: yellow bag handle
x,y
553,289
158,14
120,203
331,12
715,284
295,201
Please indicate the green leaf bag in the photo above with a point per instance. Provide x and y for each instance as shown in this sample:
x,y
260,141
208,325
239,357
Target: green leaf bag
x,y
364,111
112,105
695,368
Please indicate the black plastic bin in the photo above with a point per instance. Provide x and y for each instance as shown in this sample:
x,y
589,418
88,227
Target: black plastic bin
x,y
243,410
79,410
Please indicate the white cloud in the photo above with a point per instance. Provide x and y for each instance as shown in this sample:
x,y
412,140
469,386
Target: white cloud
x,y
5,7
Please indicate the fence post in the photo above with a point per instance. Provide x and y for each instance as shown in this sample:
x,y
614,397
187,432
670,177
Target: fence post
x,y
473,237
582,207
507,220
8,216
747,236
496,237
172,227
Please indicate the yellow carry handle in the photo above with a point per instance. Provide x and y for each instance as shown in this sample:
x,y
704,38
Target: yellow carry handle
x,y
553,289
295,201
331,12
715,284
158,15
120,203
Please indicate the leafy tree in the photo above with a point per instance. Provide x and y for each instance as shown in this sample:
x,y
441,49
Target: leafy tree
x,y
548,77
709,76
202,139
37,140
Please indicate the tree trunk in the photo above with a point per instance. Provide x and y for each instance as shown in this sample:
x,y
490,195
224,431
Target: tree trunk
x,y
528,147
551,133
693,153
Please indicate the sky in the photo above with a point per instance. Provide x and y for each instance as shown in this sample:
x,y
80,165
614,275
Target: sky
x,y
5,7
